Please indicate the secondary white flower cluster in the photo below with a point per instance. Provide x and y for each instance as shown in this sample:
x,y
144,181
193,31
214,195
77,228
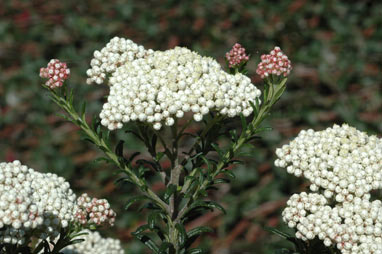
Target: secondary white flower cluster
x,y
116,53
160,86
344,164
32,203
341,160
95,244
353,227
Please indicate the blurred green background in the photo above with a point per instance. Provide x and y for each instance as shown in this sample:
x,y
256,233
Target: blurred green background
x,y
335,47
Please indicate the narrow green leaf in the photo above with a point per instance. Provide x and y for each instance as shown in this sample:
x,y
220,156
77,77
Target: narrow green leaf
x,y
119,148
152,219
221,180
148,242
195,251
182,234
277,232
83,111
134,200
164,247
170,190
243,122
198,231
207,204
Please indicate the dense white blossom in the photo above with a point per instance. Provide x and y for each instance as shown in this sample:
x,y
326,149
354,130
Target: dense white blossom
x,y
95,244
159,86
116,53
344,165
341,160
32,203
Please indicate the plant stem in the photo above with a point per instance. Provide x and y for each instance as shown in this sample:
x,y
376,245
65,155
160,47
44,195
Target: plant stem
x,y
263,112
76,119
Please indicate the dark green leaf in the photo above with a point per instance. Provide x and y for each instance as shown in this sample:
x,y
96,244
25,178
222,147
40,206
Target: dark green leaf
x,y
170,190
119,148
182,234
195,251
134,199
148,242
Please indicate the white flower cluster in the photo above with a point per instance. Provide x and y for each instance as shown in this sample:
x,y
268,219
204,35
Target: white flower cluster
x,y
344,164
32,203
164,85
116,53
95,244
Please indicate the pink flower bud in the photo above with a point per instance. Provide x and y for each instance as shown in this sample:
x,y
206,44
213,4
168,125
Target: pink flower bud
x,y
56,72
236,55
93,210
276,63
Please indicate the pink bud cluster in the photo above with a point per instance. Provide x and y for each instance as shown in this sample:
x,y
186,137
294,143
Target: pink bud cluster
x,y
236,55
56,73
276,63
93,210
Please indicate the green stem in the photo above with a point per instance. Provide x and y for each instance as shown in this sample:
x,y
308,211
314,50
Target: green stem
x,y
76,119
263,112
210,124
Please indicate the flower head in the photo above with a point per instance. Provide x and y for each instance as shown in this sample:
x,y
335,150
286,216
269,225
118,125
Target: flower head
x,y
157,87
95,244
236,55
345,165
56,73
275,63
32,203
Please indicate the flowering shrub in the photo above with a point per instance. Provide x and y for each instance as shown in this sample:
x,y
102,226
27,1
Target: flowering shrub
x,y
149,92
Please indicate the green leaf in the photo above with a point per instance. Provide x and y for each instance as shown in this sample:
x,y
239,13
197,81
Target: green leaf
x,y
229,173
83,111
159,156
107,160
132,157
243,122
141,229
148,242
170,190
277,232
198,231
152,218
134,200
195,251
119,148
207,204
221,180
164,247
233,134
182,234
154,143
152,164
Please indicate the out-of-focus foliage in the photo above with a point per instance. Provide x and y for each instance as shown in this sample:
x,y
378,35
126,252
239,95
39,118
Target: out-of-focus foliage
x,y
335,47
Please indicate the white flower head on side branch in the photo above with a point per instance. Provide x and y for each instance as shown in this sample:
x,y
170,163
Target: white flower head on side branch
x,y
33,204
344,165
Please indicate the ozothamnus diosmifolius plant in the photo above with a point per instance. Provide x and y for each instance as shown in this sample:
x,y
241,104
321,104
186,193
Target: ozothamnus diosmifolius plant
x,y
156,96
